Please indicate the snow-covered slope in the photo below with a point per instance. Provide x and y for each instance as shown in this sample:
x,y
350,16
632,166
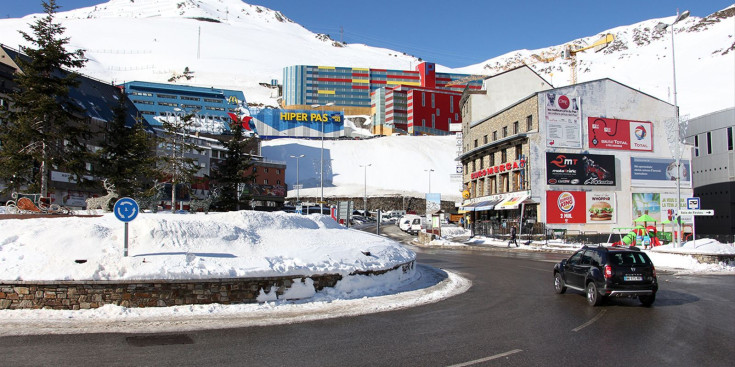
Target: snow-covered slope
x,y
641,57
234,45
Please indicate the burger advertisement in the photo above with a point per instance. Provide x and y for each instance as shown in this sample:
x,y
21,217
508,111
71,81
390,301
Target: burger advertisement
x,y
579,207
601,207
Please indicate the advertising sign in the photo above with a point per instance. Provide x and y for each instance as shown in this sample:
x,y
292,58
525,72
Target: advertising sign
x,y
566,207
658,172
619,134
659,206
433,203
580,169
601,207
563,121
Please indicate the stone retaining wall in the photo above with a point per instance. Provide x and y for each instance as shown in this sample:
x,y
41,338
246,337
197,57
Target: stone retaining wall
x,y
75,295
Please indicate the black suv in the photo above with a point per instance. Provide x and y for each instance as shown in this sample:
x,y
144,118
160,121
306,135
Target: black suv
x,y
602,272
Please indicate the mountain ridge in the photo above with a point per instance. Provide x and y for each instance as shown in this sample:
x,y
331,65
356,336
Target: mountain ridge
x,y
234,45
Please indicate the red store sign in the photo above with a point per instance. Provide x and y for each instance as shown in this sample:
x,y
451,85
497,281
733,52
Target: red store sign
x,y
499,168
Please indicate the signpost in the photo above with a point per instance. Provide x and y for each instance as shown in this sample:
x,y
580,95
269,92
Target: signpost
x,y
126,209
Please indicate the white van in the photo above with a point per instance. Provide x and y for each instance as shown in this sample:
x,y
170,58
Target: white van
x,y
417,224
405,222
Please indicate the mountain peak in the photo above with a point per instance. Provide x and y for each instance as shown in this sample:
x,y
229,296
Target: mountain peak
x,y
219,11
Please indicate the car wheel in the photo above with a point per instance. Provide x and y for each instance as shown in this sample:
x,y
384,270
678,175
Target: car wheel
x,y
647,300
593,297
559,286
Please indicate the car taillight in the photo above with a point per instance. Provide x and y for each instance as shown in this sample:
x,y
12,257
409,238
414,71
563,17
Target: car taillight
x,y
608,271
653,269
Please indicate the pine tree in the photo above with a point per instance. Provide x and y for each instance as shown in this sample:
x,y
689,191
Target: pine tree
x,y
128,157
43,127
175,165
229,174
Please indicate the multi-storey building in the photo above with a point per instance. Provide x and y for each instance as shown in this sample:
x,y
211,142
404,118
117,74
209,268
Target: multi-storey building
x,y
157,101
587,157
713,169
357,91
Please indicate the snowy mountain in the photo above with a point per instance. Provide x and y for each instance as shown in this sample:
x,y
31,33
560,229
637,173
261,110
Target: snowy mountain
x,y
234,45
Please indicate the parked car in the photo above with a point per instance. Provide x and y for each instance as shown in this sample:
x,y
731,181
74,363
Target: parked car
x,y
405,222
603,272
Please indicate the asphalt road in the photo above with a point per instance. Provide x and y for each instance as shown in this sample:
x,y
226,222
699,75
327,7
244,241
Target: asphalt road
x,y
511,317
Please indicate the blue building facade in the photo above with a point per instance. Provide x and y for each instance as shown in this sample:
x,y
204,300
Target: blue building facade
x,y
211,105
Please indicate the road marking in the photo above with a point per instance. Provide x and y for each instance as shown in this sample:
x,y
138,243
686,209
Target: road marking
x,y
476,361
588,323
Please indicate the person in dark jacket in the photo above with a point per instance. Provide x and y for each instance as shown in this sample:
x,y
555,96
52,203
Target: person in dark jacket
x,y
513,236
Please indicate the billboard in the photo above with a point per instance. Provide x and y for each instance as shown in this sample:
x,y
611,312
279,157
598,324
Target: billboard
x,y
619,134
659,206
580,169
433,203
563,121
658,172
577,207
565,207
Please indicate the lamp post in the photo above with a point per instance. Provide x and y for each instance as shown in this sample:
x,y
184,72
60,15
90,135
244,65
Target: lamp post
x,y
298,198
366,166
677,149
321,161
429,170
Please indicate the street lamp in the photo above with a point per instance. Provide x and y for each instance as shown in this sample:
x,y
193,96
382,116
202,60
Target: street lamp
x,y
429,170
366,166
321,161
677,150
298,198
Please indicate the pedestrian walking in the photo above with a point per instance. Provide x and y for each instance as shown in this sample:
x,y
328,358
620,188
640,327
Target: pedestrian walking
x,y
461,222
513,239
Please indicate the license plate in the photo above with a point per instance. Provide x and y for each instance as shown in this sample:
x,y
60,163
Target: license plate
x,y
632,278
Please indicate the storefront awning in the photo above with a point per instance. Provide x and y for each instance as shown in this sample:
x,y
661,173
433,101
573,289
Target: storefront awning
x,y
512,202
480,206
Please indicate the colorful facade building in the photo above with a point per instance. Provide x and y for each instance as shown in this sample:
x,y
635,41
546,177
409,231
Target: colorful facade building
x,y
365,91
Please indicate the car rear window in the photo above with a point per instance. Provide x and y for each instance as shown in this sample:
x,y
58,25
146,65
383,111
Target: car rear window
x,y
628,258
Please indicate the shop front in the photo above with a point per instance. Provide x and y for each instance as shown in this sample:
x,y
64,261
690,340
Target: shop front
x,y
493,216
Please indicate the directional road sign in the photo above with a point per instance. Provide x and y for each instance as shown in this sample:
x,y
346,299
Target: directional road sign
x,y
126,209
696,212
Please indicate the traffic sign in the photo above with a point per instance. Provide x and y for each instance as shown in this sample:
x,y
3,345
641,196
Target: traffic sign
x,y
697,212
126,209
693,203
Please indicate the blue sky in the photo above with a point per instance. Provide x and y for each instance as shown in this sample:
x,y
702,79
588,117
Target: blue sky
x,y
452,33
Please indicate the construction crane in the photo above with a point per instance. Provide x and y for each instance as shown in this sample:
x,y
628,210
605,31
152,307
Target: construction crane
x,y
571,53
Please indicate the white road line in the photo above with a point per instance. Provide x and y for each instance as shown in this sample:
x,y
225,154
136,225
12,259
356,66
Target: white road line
x,y
588,323
476,361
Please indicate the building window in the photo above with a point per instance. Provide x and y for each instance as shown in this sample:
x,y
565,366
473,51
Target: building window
x,y
505,131
278,171
492,186
515,128
481,187
519,151
473,166
492,159
709,142
265,181
517,184
504,155
423,99
484,139
433,105
696,145
529,123
475,143
482,163
495,135
278,182
729,138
